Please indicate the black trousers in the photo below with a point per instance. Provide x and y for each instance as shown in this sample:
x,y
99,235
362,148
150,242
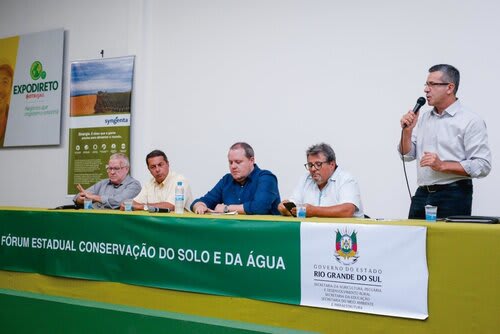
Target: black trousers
x,y
452,200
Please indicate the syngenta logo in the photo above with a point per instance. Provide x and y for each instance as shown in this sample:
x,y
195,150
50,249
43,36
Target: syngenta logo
x,y
116,120
36,73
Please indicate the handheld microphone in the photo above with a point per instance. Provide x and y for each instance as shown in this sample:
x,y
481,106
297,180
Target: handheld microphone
x,y
419,104
154,209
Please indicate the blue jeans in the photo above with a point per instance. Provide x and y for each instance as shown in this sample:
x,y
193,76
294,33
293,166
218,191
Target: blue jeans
x,y
452,200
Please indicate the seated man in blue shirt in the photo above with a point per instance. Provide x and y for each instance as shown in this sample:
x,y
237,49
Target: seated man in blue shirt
x,y
246,189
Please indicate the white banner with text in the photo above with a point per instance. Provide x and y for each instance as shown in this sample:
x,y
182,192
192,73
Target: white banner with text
x,y
375,269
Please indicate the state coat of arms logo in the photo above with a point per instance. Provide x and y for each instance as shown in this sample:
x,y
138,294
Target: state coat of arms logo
x,y
346,247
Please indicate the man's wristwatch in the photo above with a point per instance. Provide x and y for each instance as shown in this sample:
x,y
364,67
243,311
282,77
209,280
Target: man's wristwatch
x,y
226,209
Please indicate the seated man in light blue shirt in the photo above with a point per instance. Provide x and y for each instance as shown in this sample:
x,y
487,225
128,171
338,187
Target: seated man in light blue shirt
x,y
326,190
110,192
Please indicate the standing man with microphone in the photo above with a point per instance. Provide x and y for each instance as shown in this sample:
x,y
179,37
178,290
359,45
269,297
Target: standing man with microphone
x,y
450,145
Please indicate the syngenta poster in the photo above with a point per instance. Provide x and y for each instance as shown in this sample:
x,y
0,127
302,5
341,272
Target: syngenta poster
x,y
100,103
30,89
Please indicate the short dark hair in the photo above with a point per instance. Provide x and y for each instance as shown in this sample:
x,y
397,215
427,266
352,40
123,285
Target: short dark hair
x,y
156,153
246,147
450,74
326,149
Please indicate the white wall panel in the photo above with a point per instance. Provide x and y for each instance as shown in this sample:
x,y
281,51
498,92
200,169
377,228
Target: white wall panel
x,y
281,75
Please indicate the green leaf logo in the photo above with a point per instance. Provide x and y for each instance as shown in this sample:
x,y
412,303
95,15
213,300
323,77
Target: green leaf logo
x,y
36,71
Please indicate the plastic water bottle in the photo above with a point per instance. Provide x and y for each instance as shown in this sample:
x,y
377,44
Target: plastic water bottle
x,y
179,198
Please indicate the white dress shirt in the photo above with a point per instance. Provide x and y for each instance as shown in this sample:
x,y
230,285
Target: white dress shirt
x,y
341,188
455,135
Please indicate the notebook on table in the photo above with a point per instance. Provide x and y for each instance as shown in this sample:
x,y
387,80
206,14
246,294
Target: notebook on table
x,y
472,219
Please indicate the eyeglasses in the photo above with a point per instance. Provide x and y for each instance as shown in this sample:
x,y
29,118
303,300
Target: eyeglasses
x,y
432,84
114,169
317,165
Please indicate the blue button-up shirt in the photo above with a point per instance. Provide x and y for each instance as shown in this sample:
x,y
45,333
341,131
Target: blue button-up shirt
x,y
259,194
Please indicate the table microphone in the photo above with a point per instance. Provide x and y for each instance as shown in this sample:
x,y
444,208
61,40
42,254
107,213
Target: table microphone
x,y
154,209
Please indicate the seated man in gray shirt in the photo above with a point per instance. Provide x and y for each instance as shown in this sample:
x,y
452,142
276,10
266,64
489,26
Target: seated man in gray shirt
x,y
110,192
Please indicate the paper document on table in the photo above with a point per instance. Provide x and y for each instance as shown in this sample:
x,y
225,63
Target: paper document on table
x,y
224,213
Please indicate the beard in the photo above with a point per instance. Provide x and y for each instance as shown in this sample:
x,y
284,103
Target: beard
x,y
317,178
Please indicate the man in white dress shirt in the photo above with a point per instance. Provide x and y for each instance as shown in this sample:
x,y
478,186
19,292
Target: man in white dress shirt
x,y
450,146
326,190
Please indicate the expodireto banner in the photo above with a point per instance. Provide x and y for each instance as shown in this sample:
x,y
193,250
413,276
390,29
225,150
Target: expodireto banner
x,y
31,85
